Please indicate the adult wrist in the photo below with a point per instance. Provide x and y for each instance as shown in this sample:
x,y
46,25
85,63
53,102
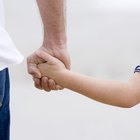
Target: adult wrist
x,y
55,39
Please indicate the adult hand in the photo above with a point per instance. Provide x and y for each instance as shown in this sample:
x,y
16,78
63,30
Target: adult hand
x,y
33,60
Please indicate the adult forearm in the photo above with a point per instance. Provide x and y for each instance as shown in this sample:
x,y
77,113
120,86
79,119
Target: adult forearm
x,y
106,91
53,16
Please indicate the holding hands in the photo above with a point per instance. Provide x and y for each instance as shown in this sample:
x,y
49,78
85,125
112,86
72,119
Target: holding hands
x,y
52,68
54,42
43,59
48,65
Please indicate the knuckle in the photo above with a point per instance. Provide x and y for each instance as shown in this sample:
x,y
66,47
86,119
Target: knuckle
x,y
30,71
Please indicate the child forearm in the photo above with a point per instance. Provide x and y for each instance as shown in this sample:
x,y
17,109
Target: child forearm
x,y
114,93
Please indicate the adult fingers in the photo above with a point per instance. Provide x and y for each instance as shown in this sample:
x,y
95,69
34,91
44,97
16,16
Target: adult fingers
x,y
37,83
32,69
44,84
52,84
45,56
58,87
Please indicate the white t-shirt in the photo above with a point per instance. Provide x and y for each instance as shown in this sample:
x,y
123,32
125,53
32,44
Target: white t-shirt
x,y
9,55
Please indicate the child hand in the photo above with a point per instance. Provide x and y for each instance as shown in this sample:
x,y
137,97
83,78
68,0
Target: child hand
x,y
52,67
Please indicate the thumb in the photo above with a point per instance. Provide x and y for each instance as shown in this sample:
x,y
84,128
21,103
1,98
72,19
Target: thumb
x,y
32,69
45,56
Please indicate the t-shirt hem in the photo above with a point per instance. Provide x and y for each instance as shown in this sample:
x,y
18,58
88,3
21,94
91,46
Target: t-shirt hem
x,y
11,64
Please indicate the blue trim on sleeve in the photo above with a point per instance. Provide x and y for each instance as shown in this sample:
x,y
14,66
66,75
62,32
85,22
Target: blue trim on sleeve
x,y
137,69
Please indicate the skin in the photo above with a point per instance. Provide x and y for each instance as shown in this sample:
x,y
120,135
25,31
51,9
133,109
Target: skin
x,y
54,43
116,93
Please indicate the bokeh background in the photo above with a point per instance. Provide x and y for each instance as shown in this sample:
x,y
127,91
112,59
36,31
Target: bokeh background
x,y
104,42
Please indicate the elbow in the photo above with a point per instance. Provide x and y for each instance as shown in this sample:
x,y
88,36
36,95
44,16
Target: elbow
x,y
131,97
129,105
133,101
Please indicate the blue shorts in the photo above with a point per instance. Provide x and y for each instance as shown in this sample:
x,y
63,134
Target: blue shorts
x,y
4,105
